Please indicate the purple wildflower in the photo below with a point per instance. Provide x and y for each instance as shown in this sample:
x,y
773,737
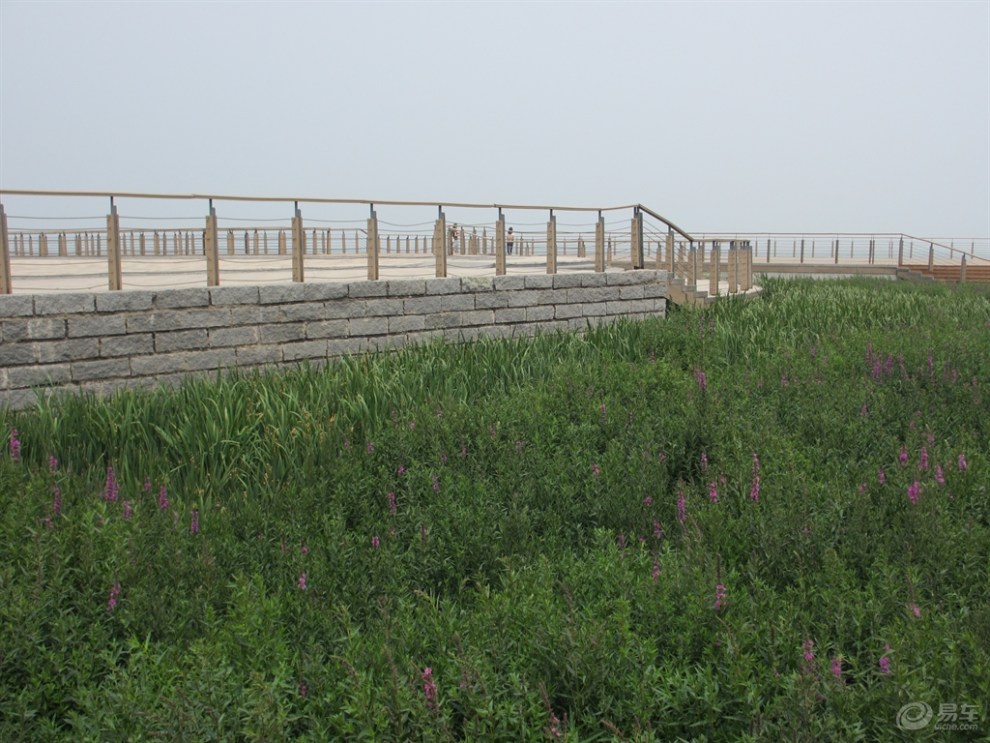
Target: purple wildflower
x,y
916,611
194,522
657,529
302,581
704,461
754,491
681,508
422,535
885,660
720,595
648,501
128,511
923,459
939,475
962,463
392,505
596,470
836,668
303,689
882,476
430,690
56,500
52,463
621,541
147,484
376,542
809,656
114,594
701,379
163,498
436,484
656,571
712,492
15,446
400,471
371,447
903,457
112,488
914,492
864,411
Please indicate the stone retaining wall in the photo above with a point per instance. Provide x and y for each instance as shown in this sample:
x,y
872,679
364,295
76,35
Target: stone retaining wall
x,y
106,341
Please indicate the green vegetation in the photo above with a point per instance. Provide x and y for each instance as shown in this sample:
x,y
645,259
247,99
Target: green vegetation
x,y
765,520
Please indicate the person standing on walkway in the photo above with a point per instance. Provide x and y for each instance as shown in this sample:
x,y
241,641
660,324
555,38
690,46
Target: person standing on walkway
x,y
509,241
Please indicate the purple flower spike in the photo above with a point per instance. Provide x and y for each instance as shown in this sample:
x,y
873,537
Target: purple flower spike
x,y
430,690
720,595
112,488
15,446
114,594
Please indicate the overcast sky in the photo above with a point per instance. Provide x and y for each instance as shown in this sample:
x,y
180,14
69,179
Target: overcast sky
x,y
722,116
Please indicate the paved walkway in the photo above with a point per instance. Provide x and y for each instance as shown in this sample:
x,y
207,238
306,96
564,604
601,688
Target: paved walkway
x,y
52,274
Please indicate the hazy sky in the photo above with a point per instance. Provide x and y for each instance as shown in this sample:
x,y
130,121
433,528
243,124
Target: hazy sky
x,y
722,116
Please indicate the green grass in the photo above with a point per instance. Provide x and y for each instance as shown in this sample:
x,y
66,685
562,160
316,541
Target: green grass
x,y
536,560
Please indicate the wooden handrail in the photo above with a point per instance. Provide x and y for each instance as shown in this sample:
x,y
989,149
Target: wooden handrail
x,y
312,200
667,222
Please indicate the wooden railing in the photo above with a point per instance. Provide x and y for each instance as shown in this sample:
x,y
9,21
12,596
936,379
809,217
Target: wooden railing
x,y
234,250
632,241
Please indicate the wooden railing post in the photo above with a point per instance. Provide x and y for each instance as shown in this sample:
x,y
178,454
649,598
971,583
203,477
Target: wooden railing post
x,y
732,270
931,256
600,244
636,239
63,246
113,249
374,245
552,243
900,252
210,248
962,269
873,247
713,276
500,245
691,279
802,250
298,246
670,252
440,238
6,286
749,267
